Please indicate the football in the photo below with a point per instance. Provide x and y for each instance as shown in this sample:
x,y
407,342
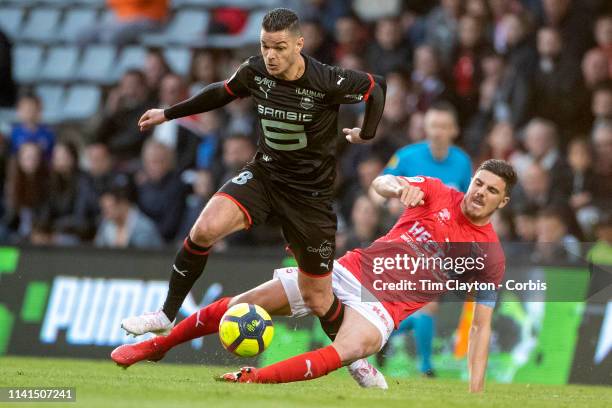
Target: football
x,y
246,330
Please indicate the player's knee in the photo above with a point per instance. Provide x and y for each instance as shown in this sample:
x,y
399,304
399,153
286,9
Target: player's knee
x,y
316,300
350,351
206,231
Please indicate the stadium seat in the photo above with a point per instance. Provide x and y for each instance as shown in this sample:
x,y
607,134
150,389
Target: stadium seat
x,y
130,57
244,4
60,64
27,60
179,59
249,35
41,25
10,20
82,102
75,21
188,27
96,64
52,97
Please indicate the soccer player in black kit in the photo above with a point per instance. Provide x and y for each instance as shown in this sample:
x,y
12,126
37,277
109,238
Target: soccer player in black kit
x,y
292,174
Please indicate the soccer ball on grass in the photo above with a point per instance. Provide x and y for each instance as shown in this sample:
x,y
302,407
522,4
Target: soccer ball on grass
x,y
246,330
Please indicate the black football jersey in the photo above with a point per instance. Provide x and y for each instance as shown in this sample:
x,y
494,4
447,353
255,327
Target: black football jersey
x,y
298,119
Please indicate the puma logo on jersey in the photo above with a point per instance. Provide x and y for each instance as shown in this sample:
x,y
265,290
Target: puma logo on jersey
x,y
265,91
340,79
308,369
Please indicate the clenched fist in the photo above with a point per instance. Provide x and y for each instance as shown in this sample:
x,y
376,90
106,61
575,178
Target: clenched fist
x,y
410,195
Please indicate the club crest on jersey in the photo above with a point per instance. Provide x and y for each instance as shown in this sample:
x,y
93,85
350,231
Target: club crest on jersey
x,y
443,215
306,103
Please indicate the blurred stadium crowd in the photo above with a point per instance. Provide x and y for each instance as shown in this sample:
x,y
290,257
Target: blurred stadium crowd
x,y
530,79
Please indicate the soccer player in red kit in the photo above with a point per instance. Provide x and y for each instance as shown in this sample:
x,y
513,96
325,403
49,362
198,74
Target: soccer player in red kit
x,y
437,219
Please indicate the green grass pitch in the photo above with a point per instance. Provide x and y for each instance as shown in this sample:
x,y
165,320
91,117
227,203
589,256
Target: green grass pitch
x,y
102,384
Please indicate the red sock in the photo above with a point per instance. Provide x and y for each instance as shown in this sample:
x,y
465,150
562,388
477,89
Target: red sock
x,y
307,366
204,321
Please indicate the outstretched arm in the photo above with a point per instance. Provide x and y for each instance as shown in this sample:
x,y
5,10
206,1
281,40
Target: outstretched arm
x,y
375,105
390,186
213,96
478,348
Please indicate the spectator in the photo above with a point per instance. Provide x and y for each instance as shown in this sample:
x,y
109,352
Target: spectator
x,y
155,69
442,27
542,147
581,200
210,132
555,82
204,69
8,90
437,157
203,185
554,244
465,68
25,192
603,38
349,37
29,128
388,52
572,19
536,190
367,171
365,227
524,221
131,18
426,77
500,143
602,166
316,41
98,178
64,181
601,102
238,150
518,45
179,135
119,127
123,224
161,193
594,68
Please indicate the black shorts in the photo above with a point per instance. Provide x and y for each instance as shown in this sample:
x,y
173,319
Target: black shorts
x,y
308,223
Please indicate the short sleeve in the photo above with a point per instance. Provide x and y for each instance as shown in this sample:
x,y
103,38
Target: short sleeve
x,y
493,272
431,186
237,84
348,86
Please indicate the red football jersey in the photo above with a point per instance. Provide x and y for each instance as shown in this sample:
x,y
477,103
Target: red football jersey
x,y
436,229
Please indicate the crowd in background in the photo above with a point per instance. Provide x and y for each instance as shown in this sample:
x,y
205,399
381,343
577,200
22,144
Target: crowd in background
x,y
531,82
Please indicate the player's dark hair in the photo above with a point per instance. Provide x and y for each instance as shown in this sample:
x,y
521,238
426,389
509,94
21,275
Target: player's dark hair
x,y
445,106
502,169
281,19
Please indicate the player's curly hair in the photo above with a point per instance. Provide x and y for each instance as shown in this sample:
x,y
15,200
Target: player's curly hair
x,y
502,169
280,19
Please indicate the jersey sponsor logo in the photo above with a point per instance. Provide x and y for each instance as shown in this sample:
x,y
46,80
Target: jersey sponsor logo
x,y
306,103
263,81
283,114
265,85
355,97
324,250
310,93
417,179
